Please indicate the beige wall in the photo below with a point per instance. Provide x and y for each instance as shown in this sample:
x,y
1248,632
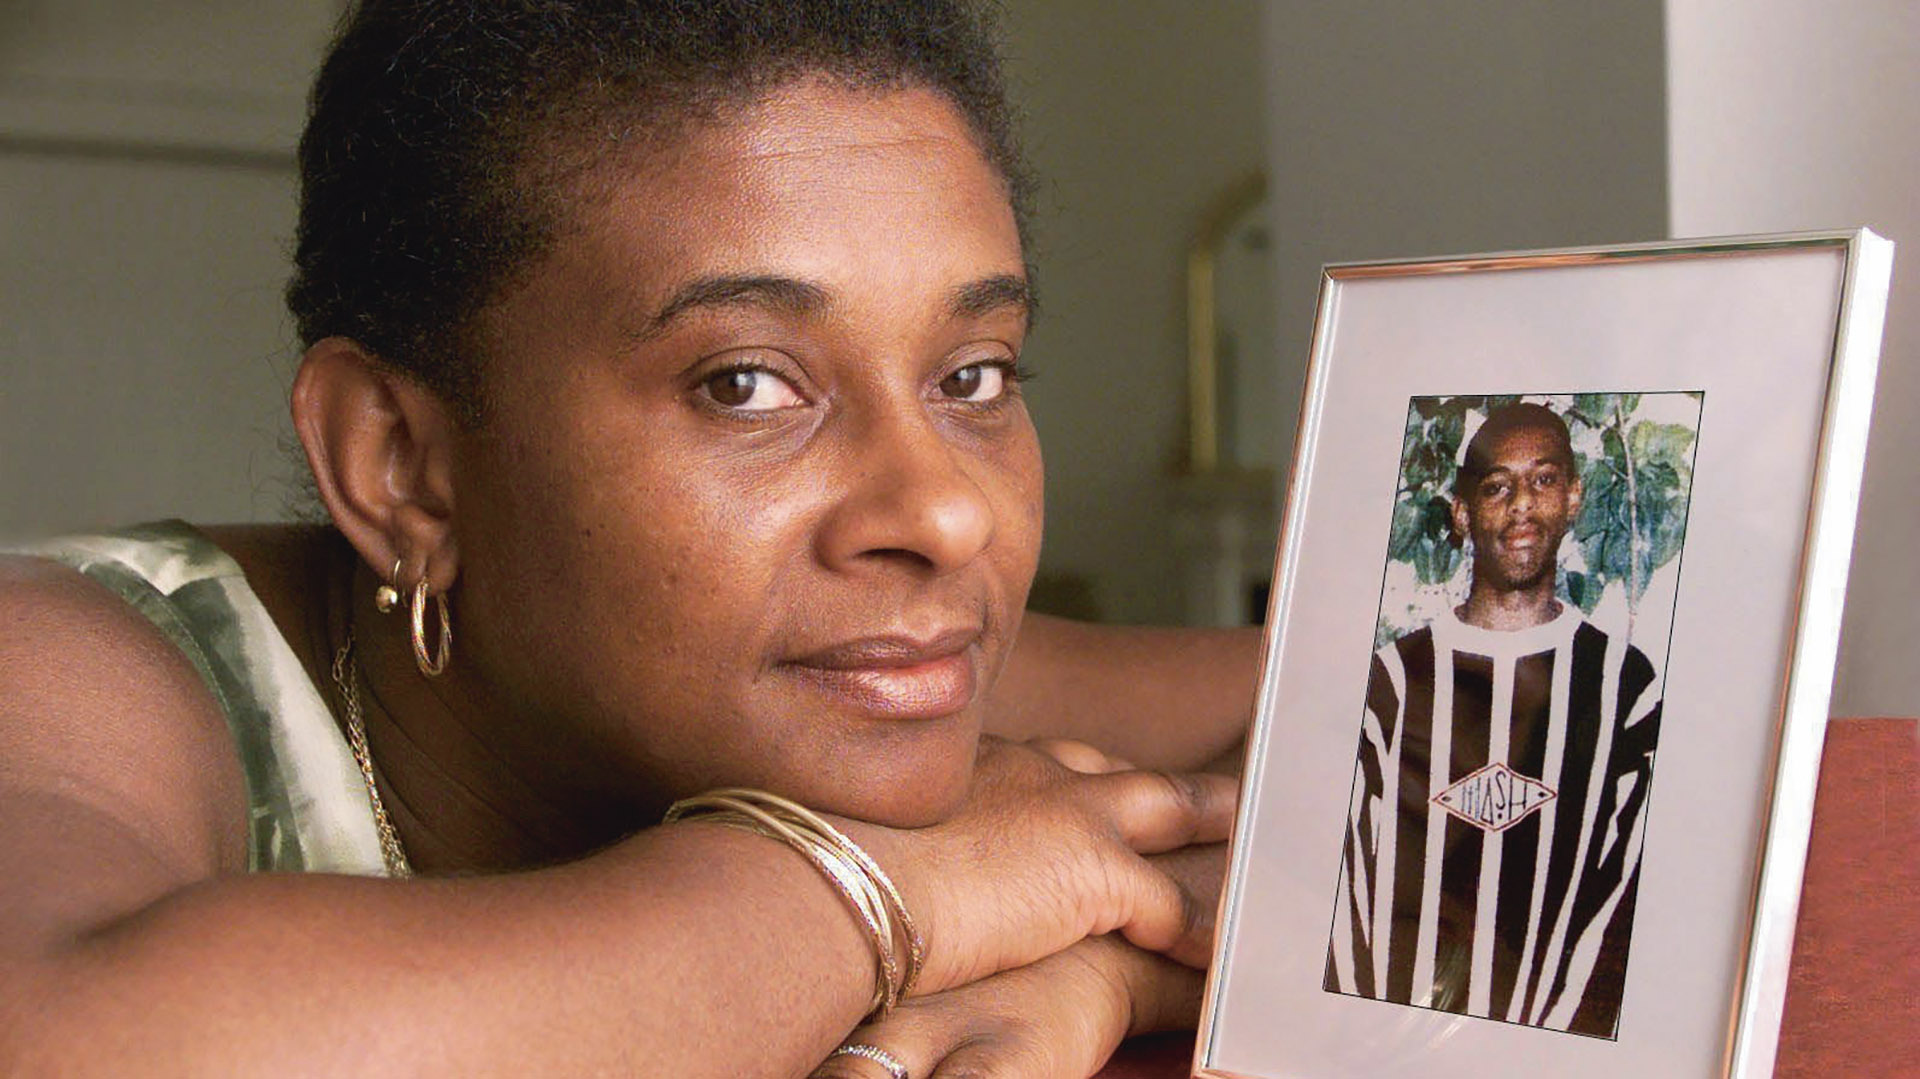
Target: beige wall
x,y
145,350
1457,126
146,204
1797,114
1138,113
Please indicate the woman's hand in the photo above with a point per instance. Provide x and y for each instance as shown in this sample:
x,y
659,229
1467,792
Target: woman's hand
x,y
1043,855
1060,1018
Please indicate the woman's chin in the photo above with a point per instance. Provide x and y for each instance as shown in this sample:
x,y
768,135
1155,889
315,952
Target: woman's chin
x,y
900,786
919,808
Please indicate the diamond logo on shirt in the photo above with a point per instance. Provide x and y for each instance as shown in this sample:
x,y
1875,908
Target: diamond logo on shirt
x,y
1494,798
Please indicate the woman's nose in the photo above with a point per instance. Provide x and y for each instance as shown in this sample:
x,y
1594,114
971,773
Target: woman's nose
x,y
910,497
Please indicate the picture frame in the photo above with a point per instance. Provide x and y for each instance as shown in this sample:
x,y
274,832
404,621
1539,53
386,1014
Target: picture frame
x,y
1455,855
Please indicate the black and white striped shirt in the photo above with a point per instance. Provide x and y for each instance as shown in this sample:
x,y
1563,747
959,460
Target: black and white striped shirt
x,y
1493,843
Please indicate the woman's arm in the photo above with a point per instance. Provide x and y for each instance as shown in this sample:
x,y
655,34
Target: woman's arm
x,y
129,943
1159,698
689,951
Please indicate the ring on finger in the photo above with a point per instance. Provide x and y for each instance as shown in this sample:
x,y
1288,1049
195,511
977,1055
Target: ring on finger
x,y
895,1069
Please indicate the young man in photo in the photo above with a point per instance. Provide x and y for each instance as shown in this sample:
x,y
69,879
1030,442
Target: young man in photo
x,y
1493,846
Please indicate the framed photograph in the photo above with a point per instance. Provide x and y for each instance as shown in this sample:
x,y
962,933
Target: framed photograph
x,y
1548,663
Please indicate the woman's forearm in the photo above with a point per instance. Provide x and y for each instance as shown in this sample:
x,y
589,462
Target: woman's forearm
x,y
686,951
1159,698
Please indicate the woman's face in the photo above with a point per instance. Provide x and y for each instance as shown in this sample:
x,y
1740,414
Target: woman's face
x,y
757,499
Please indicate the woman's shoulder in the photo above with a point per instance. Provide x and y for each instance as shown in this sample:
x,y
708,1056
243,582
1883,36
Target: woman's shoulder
x,y
58,622
234,670
178,576
106,720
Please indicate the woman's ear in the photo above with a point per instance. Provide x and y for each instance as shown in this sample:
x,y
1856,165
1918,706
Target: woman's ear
x,y
381,449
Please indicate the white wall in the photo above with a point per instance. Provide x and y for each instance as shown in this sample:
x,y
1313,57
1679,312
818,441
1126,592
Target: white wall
x,y
1801,114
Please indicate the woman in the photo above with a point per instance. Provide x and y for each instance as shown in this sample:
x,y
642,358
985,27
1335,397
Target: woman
x,y
664,360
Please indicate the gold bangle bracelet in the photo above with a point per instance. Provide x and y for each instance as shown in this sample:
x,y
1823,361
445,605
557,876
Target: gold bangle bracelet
x,y
738,809
853,873
858,891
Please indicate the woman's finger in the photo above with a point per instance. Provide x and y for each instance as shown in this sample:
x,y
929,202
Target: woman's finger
x,y
1001,1058
1166,996
863,1060
1079,756
1166,918
1163,811
1059,1018
913,1039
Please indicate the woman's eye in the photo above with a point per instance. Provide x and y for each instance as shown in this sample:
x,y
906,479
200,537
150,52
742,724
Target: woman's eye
x,y
749,389
976,382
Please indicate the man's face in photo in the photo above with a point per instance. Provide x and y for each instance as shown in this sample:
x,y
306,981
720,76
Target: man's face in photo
x,y
1519,509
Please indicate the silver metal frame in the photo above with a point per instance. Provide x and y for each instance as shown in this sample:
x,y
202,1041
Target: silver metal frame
x,y
1800,726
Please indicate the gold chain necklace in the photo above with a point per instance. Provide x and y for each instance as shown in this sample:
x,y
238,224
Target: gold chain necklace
x,y
346,678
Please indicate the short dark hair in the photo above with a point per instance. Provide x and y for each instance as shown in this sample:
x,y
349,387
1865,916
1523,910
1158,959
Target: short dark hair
x,y
444,136
1478,460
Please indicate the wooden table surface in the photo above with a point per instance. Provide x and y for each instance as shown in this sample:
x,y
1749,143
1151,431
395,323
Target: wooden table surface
x,y
1853,994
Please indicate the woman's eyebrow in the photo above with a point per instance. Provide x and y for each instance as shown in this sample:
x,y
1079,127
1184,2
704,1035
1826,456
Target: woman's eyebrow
x,y
787,295
977,298
792,296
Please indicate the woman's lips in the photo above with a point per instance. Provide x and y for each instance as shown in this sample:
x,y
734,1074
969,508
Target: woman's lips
x,y
898,677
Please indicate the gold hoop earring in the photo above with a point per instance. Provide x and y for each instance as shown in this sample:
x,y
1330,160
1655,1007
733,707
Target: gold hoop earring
x,y
387,596
430,666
